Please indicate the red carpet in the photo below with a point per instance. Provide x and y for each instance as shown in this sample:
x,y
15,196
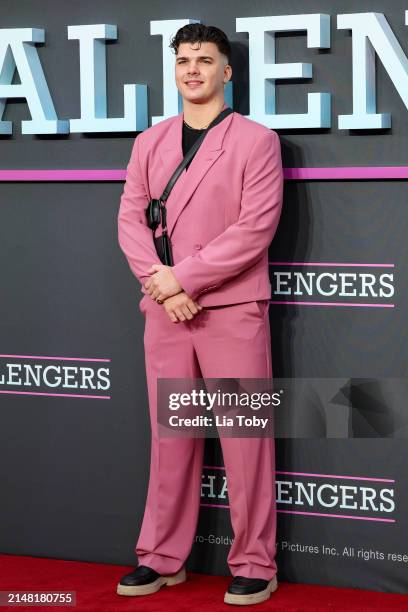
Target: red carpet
x,y
95,587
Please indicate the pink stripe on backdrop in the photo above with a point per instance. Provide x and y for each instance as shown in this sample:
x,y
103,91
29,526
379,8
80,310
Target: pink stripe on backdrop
x,y
48,357
360,305
347,172
336,476
324,263
221,467
56,394
62,175
337,173
341,516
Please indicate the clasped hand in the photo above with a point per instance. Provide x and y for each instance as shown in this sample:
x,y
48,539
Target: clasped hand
x,y
162,285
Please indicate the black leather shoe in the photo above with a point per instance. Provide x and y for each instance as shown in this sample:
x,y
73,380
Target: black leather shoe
x,y
244,591
145,580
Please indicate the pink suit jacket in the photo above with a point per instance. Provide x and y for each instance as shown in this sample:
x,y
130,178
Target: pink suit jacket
x,y
222,213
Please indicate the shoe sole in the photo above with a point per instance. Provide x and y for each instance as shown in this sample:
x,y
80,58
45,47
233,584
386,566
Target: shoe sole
x,y
252,598
152,587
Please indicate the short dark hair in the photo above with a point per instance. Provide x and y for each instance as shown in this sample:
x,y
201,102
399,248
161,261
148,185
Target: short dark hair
x,y
198,32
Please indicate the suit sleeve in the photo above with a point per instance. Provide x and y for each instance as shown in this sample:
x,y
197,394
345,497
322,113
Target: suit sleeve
x,y
245,241
134,236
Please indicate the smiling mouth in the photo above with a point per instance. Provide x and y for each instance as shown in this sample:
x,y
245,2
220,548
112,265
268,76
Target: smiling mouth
x,y
194,82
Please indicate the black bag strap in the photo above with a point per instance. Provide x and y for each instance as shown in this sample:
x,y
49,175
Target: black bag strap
x,y
191,152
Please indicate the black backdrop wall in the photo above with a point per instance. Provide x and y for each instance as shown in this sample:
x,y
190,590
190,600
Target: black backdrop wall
x,y
74,470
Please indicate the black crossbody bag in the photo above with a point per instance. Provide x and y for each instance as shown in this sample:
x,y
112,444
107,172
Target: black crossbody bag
x,y
156,209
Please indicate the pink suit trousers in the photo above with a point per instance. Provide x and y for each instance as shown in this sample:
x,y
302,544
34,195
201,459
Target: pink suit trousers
x,y
220,342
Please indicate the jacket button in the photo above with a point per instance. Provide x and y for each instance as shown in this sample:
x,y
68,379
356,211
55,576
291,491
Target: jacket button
x,y
197,247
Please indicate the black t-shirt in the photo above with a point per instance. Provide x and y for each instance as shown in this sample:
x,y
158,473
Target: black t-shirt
x,y
190,135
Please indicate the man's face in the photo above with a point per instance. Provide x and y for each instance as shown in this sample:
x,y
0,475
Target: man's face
x,y
201,72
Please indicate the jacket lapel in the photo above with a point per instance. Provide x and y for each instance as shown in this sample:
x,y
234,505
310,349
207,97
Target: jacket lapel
x,y
171,153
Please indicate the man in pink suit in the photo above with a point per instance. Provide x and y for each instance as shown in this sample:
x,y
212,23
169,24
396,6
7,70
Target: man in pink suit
x,y
207,315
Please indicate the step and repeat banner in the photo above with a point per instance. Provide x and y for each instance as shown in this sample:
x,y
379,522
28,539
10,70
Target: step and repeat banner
x,y
78,82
